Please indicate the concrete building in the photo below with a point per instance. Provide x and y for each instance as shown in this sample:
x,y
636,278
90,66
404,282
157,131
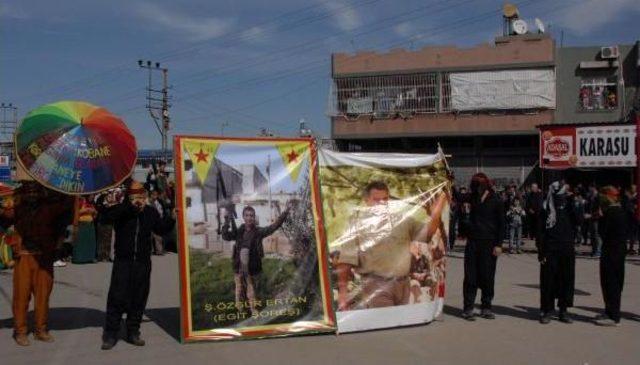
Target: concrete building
x,y
482,104
402,101
592,80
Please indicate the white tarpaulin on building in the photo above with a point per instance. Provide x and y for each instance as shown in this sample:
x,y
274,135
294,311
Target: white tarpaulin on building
x,y
522,89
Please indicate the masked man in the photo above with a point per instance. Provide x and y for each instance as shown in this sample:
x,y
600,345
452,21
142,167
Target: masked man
x,y
40,218
484,245
134,222
556,253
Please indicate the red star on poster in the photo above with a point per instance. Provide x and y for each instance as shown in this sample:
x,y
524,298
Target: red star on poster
x,y
201,156
292,156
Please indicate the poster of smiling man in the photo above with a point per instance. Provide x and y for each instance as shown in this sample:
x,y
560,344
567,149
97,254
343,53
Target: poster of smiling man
x,y
387,220
252,258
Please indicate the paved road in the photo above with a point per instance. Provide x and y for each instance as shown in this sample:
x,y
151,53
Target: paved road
x,y
515,336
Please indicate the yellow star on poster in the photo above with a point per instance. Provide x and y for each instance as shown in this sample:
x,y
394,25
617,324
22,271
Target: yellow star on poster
x,y
202,154
293,155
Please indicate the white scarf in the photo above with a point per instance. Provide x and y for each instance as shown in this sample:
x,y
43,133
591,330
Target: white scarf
x,y
549,205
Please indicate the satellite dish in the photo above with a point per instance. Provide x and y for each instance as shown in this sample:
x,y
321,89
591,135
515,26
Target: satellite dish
x,y
519,26
540,25
510,11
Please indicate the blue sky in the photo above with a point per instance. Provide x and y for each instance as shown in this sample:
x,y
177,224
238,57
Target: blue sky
x,y
247,64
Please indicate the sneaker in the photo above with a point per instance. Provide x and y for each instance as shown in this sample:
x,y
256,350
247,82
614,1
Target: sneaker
x,y
59,263
487,314
22,340
565,317
469,315
545,318
135,340
43,336
108,343
607,322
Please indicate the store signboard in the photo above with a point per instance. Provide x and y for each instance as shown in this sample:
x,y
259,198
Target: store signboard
x,y
563,147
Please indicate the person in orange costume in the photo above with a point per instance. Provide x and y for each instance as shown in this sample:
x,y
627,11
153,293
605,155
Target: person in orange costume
x,y
40,217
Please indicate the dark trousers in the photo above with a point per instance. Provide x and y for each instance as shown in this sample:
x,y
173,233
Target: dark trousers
x,y
453,222
594,237
557,279
128,294
612,278
533,225
479,273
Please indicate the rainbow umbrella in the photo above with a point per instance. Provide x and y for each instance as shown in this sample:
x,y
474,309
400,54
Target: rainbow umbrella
x,y
75,147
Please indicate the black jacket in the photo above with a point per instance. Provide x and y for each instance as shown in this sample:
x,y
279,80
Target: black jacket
x,y
562,235
534,202
253,241
133,230
614,226
487,220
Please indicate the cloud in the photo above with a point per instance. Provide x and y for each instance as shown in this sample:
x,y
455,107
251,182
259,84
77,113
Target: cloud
x,y
588,16
343,14
195,28
404,29
255,34
10,12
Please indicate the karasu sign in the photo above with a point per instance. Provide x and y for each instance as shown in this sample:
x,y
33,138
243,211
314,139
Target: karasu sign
x,y
563,147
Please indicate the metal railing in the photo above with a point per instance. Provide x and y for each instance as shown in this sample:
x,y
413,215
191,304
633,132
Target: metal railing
x,y
385,96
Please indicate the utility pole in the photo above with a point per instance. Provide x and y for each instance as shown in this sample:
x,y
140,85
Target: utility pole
x,y
8,128
158,102
303,131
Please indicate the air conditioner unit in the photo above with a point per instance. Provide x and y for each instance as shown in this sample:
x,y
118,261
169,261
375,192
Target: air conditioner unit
x,y
609,52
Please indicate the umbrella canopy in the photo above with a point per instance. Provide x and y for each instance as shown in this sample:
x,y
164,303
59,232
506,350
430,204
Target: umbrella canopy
x,y
5,189
75,147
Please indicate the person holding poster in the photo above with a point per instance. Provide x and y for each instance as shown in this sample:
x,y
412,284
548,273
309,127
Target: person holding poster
x,y
133,222
378,249
556,253
248,253
484,245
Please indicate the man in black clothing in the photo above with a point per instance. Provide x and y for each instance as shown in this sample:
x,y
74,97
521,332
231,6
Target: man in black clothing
x,y
556,253
133,222
614,228
484,245
248,253
534,206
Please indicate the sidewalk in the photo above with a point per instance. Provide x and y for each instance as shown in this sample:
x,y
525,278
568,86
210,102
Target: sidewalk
x,y
514,337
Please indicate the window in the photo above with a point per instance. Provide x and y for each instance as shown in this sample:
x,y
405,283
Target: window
x,y
598,93
385,96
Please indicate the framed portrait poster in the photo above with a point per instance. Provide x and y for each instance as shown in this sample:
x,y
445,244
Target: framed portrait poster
x,y
253,259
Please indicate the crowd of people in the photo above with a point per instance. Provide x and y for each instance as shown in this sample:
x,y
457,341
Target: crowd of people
x,y
90,236
522,207
138,219
556,222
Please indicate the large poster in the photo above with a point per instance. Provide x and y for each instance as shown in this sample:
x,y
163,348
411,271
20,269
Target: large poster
x,y
252,253
387,219
564,147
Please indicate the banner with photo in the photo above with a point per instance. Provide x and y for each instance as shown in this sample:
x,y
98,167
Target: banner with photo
x,y
387,221
252,249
